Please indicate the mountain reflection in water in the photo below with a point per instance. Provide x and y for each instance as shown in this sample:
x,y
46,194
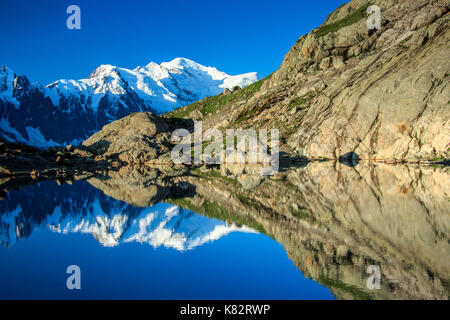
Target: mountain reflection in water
x,y
332,220
81,208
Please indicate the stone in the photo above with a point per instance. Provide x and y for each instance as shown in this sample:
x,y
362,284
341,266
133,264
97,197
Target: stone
x,y
69,148
338,62
250,181
400,77
325,63
134,185
235,88
425,18
132,139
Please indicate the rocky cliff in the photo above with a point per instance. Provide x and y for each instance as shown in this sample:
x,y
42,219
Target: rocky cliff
x,y
343,89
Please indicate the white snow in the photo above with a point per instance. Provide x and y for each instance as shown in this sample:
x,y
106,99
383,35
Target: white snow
x,y
160,87
162,225
164,87
6,127
35,136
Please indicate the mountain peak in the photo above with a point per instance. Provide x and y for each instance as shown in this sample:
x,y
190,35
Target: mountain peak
x,y
102,70
7,76
109,93
181,63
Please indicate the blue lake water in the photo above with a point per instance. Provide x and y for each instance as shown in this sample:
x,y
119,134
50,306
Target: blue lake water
x,y
126,252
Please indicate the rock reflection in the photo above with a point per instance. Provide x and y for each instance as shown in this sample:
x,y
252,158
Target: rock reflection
x,y
396,217
335,220
136,186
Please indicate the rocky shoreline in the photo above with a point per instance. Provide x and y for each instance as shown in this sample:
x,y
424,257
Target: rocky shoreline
x,y
141,139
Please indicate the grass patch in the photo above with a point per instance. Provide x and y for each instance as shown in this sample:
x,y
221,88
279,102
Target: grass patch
x,y
214,174
216,211
347,21
245,117
356,292
246,201
297,102
408,38
212,104
301,214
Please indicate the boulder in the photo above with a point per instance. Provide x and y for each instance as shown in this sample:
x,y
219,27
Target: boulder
x,y
133,139
338,62
250,181
326,63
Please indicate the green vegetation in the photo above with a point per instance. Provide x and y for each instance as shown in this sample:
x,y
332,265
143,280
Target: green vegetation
x,y
214,210
357,293
403,43
408,38
301,214
211,174
347,21
247,201
212,104
246,116
300,104
298,101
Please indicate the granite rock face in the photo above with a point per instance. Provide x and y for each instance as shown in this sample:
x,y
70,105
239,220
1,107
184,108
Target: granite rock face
x,y
381,94
387,95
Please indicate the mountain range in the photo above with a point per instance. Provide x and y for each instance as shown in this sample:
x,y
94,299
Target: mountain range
x,y
68,111
81,208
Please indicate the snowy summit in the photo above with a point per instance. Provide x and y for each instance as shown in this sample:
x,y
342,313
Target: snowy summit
x,y
163,87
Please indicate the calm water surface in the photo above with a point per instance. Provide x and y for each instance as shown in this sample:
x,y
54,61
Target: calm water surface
x,y
312,232
126,252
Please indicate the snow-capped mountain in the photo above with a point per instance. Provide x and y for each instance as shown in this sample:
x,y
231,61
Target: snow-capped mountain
x,y
80,208
68,111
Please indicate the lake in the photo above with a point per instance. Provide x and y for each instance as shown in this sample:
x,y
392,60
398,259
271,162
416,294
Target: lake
x,y
125,252
309,233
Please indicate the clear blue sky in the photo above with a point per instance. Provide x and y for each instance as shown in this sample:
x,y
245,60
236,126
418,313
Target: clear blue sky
x,y
235,36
